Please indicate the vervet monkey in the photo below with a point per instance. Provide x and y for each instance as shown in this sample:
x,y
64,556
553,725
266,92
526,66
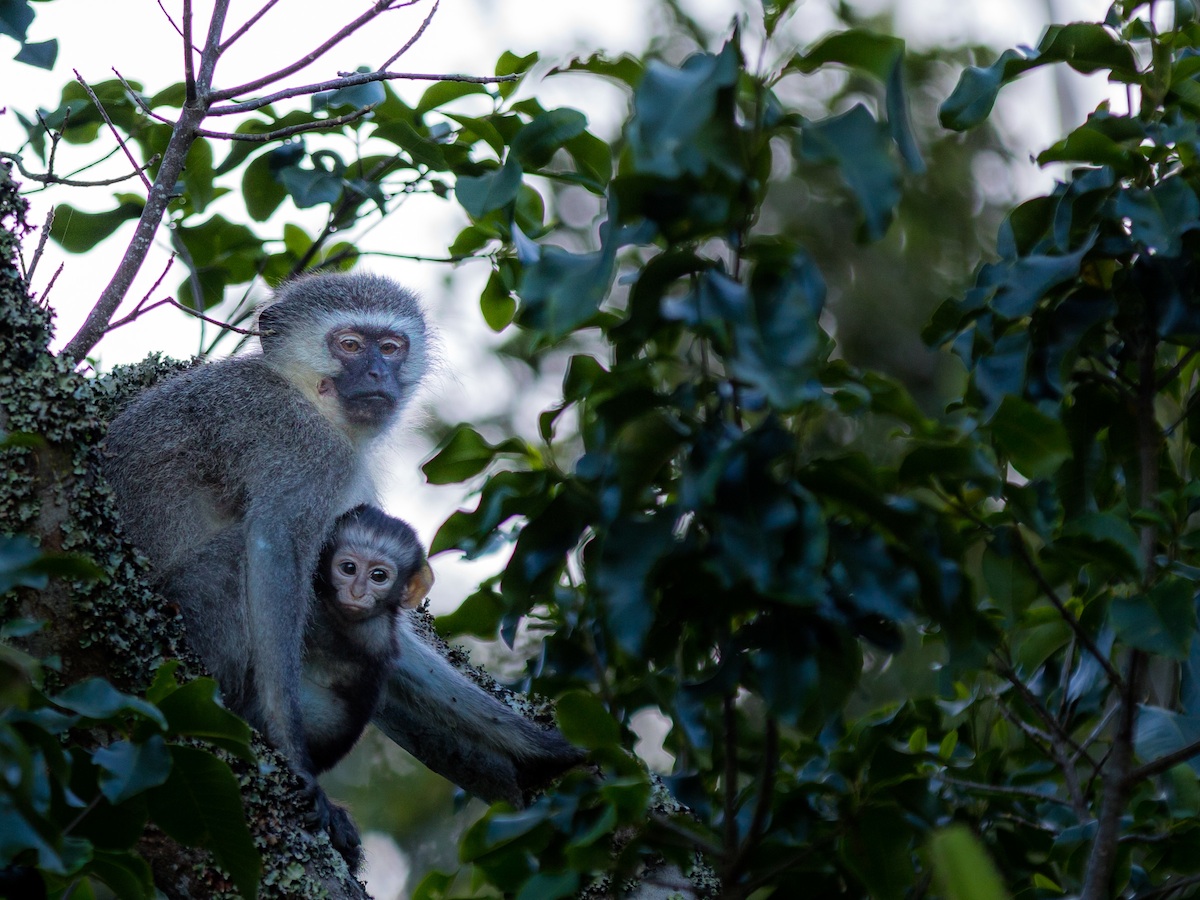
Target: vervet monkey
x,y
256,456
244,465
372,567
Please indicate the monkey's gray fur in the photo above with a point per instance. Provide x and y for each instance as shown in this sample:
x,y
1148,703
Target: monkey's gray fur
x,y
268,447
254,458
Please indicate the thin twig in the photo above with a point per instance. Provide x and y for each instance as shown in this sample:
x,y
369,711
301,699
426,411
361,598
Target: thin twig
x,y
44,300
49,178
1170,887
290,131
1073,623
171,301
136,97
412,40
1006,790
352,79
141,304
1176,369
250,23
41,245
113,128
1160,765
729,714
1056,729
376,10
178,30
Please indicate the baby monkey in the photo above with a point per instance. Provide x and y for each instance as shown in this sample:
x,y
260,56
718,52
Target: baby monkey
x,y
371,568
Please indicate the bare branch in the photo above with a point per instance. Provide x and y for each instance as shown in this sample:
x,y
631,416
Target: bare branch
x,y
250,23
1023,793
41,245
189,64
141,304
250,332
137,98
351,79
111,127
1084,638
291,130
377,9
1160,765
412,40
49,178
44,300
174,25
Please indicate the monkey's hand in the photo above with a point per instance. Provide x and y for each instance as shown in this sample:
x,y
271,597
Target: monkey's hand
x,y
334,819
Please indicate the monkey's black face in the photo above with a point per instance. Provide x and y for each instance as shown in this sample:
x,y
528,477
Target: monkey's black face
x,y
369,387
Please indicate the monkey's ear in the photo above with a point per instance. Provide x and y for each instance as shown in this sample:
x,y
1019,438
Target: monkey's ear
x,y
418,587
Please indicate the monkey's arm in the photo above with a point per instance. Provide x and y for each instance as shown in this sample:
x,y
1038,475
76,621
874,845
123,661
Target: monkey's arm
x,y
461,731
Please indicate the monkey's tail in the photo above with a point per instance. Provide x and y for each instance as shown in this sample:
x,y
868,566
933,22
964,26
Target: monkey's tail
x,y
463,732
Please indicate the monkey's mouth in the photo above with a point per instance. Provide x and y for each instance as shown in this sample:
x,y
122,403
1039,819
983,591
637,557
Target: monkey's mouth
x,y
355,611
369,406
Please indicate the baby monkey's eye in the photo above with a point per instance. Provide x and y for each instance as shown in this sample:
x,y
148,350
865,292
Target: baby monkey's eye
x,y
347,568
379,576
350,344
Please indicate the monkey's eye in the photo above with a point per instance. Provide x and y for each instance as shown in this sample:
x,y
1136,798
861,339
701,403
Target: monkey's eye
x,y
393,346
379,576
350,344
347,568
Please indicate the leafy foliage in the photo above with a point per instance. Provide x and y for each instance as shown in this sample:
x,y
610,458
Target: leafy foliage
x,y
891,650
74,813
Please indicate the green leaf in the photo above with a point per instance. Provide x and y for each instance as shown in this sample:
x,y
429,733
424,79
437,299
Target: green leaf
x,y
193,711
497,303
479,615
443,92
1086,47
126,873
961,867
95,698
859,146
584,721
1160,215
547,886
481,194
1036,444
464,454
41,54
675,111
201,805
1162,621
129,769
536,143
77,231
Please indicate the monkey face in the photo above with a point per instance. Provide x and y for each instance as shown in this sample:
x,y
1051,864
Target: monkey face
x,y
369,388
362,585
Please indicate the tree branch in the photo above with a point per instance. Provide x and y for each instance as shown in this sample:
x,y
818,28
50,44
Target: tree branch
x,y
1160,765
267,137
113,128
352,79
412,40
250,23
377,9
50,178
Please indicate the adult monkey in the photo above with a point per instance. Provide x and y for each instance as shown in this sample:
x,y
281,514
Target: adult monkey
x,y
257,456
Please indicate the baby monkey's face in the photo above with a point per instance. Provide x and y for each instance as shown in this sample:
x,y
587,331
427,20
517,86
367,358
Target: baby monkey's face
x,y
362,584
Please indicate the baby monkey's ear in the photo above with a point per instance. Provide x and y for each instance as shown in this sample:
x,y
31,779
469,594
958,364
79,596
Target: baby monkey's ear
x,y
418,587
